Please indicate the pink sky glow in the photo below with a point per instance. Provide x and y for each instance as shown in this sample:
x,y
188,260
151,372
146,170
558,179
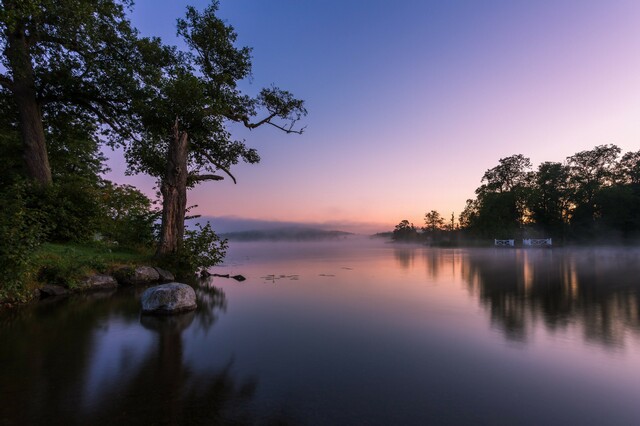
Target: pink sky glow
x,y
410,102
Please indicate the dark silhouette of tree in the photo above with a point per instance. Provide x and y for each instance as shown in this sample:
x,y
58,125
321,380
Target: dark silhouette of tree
x,y
433,221
405,231
549,201
183,139
590,171
590,197
500,209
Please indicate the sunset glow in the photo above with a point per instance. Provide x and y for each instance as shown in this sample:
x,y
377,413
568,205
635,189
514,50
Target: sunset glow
x,y
410,102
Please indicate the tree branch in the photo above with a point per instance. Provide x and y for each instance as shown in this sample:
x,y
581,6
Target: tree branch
x,y
219,166
288,129
201,178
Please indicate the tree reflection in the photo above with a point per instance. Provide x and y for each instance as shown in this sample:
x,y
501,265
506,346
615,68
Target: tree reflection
x,y
593,290
404,256
45,372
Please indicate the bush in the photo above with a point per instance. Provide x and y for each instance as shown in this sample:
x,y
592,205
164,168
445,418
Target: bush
x,y
201,249
71,210
128,217
21,232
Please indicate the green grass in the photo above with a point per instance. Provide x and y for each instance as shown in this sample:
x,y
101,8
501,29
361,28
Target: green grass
x,y
67,264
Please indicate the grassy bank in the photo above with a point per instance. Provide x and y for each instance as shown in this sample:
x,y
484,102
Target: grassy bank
x,y
67,264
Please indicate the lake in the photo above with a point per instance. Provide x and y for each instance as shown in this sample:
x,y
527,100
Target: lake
x,y
344,333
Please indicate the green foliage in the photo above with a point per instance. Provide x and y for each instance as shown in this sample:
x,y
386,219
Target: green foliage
x,y
198,87
71,210
201,249
66,264
127,216
21,232
83,54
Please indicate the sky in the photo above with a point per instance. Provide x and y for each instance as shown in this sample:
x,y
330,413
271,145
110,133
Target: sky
x,y
410,102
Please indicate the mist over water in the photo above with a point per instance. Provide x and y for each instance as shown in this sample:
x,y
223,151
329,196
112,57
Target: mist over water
x,y
357,331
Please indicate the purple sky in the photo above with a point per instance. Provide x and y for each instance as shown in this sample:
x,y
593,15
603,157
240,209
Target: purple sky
x,y
411,101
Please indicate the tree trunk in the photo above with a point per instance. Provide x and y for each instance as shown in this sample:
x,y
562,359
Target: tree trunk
x,y
174,194
24,94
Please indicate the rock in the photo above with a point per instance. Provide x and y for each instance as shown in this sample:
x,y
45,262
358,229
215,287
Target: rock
x,y
238,278
169,298
165,276
139,276
51,290
98,282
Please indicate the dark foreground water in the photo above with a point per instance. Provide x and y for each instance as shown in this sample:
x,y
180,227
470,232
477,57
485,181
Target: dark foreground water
x,y
345,334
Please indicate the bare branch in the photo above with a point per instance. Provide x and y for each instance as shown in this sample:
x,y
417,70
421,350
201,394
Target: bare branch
x,y
288,129
219,166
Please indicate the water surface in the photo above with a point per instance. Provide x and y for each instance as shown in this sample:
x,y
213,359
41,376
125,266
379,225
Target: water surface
x,y
349,332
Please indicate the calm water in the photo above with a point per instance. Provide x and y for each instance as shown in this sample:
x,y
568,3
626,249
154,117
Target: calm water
x,y
345,334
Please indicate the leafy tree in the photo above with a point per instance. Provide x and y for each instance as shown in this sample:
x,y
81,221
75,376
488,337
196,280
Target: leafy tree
x,y
589,172
549,200
405,231
501,207
510,174
128,216
469,215
183,139
76,57
630,168
433,221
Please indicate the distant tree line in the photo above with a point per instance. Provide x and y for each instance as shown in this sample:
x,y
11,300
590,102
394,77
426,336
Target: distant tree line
x,y
594,196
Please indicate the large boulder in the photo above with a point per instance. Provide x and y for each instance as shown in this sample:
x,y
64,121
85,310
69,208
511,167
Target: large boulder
x,y
171,298
142,275
98,282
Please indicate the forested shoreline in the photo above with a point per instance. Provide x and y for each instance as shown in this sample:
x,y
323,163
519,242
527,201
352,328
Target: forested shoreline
x,y
592,197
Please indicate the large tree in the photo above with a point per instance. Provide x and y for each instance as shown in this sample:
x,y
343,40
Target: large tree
x,y
549,197
183,139
590,171
73,56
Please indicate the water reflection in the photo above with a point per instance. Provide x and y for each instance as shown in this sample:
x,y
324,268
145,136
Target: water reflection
x,y
594,291
92,359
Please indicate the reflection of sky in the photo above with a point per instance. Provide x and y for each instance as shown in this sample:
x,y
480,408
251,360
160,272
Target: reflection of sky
x,y
410,102
117,355
410,329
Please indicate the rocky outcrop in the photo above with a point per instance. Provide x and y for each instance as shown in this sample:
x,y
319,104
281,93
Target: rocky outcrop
x,y
98,282
169,298
165,276
142,275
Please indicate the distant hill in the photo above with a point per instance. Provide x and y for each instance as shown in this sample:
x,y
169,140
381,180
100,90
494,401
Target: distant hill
x,y
286,234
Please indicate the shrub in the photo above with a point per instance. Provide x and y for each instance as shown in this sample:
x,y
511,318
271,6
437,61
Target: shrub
x,y
201,249
21,232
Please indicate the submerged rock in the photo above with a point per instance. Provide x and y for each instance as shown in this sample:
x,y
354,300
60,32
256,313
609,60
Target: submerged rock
x,y
139,276
51,290
98,282
169,298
